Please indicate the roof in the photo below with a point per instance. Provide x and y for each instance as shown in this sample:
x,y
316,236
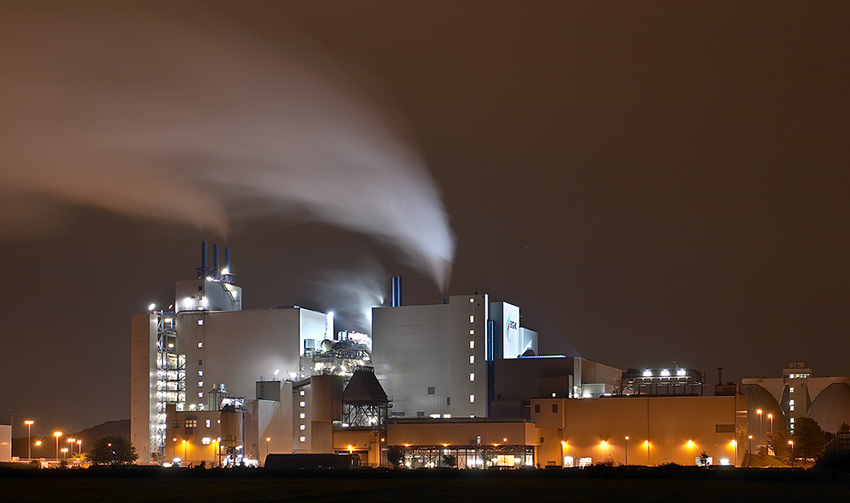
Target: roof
x,y
364,389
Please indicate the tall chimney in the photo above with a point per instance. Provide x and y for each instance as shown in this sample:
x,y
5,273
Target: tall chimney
x,y
227,259
396,291
203,257
216,268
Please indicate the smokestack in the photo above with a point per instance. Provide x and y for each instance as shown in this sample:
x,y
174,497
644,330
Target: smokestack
x,y
216,268
227,259
719,375
203,269
396,291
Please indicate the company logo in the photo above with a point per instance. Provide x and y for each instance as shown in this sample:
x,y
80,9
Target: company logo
x,y
509,325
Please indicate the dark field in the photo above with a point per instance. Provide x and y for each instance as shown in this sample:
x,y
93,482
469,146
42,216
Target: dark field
x,y
602,486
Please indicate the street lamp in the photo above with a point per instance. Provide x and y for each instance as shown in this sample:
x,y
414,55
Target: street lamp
x,y
627,450
770,416
751,444
791,443
57,434
64,452
29,424
80,447
648,458
268,439
71,442
759,412
184,451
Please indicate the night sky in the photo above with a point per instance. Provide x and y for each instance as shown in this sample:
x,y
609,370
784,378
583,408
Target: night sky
x,y
651,182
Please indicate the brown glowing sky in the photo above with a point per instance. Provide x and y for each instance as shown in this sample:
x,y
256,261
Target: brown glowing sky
x,y
649,182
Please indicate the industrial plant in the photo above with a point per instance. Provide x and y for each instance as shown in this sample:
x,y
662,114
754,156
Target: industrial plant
x,y
457,383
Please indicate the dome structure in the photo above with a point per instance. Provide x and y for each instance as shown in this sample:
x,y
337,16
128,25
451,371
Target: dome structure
x,y
832,407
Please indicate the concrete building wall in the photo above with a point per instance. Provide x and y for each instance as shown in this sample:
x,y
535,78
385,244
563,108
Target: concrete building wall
x,y
5,442
143,414
433,359
671,429
237,348
461,433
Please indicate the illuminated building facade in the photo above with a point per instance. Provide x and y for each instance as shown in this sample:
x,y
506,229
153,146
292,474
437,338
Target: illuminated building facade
x,y
798,393
641,430
437,360
182,355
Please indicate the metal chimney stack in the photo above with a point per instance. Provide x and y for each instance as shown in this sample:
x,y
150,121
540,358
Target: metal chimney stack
x,y
202,271
227,259
216,268
396,302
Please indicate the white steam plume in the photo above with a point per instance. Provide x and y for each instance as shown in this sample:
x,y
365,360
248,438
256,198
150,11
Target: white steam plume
x,y
111,106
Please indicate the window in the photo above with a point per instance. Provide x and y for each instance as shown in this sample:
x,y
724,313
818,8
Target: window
x,y
472,377
791,390
472,332
791,408
790,402
554,408
302,427
302,439
200,373
302,415
207,423
472,359
200,395
302,392
302,404
200,322
420,413
471,344
471,318
191,424
200,384
537,408
206,440
200,344
471,398
431,390
448,400
176,423
200,362
471,300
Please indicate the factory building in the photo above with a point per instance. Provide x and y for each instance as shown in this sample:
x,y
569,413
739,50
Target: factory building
x,y
778,402
214,384
437,360
641,430
186,354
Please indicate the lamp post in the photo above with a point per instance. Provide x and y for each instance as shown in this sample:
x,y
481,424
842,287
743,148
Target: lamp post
x,y
38,443
29,424
791,444
268,439
627,450
734,444
57,434
80,448
648,457
184,452
770,416
751,444
759,412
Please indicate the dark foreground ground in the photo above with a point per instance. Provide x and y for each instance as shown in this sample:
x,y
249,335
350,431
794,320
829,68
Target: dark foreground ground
x,y
681,485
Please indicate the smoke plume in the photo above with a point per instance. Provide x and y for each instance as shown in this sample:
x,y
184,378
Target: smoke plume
x,y
155,114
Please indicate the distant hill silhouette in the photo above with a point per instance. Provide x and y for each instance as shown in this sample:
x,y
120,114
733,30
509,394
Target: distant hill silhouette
x,y
88,436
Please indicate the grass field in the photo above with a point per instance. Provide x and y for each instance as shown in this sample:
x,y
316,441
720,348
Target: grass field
x,y
234,486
